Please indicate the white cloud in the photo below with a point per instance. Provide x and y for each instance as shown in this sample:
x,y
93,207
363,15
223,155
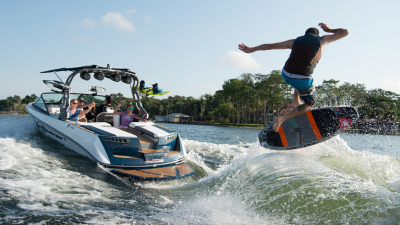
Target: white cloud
x,y
390,85
131,12
240,60
89,23
117,21
81,38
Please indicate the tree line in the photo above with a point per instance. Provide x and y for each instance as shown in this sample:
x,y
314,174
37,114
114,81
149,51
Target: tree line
x,y
16,103
256,99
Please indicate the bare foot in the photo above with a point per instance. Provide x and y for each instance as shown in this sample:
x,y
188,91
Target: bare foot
x,y
277,124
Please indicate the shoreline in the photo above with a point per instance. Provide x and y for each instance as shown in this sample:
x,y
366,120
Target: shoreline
x,y
359,128
355,129
13,113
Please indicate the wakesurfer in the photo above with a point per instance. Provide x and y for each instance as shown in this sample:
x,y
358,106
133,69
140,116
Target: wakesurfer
x,y
298,69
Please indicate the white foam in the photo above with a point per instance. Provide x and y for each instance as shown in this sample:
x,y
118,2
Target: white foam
x,y
380,169
218,152
211,209
199,153
41,182
242,184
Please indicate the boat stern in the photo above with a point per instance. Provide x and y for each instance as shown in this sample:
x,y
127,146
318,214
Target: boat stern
x,y
154,152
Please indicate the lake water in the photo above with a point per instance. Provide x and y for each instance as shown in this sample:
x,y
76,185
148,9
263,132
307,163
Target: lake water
x,y
349,179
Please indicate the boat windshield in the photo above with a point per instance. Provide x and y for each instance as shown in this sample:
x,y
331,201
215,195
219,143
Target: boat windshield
x,y
98,99
47,99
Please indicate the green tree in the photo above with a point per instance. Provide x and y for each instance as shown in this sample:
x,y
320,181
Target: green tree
x,y
272,92
380,104
327,93
29,98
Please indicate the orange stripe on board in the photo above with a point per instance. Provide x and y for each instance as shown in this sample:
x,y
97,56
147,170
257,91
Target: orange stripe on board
x,y
283,137
313,125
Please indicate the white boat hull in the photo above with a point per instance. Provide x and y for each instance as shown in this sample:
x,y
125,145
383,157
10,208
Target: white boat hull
x,y
90,144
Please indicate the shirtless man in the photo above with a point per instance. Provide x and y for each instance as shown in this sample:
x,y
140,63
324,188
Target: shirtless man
x,y
297,72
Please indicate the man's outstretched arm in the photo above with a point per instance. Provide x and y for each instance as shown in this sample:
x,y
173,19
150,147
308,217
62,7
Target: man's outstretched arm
x,y
280,45
337,34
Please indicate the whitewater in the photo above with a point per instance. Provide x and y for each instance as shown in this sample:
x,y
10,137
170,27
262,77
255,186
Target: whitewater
x,y
349,179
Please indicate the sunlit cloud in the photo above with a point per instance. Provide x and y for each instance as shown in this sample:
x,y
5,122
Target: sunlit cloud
x,y
240,60
89,23
117,21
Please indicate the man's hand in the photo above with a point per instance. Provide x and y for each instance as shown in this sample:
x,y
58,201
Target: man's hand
x,y
245,48
337,34
325,27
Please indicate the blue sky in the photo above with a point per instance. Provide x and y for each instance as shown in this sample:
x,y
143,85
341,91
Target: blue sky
x,y
190,47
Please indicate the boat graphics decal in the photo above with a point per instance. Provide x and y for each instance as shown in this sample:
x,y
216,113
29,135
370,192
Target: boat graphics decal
x,y
60,137
163,128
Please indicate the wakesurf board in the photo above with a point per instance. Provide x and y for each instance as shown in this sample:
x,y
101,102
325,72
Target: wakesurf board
x,y
313,127
149,91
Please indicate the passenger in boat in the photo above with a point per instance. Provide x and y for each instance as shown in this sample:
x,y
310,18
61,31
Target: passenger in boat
x,y
140,114
82,103
103,107
128,116
76,114
90,115
297,72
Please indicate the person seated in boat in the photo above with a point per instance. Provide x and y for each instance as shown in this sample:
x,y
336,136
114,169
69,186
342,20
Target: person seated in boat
x,y
140,114
103,107
81,104
90,115
128,116
76,114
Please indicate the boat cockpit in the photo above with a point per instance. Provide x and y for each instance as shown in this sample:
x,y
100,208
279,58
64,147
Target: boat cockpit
x,y
51,103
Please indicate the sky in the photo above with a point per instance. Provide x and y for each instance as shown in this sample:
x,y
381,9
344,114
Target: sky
x,y
190,47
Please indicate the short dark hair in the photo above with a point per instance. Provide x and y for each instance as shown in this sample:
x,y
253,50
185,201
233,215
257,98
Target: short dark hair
x,y
312,30
108,99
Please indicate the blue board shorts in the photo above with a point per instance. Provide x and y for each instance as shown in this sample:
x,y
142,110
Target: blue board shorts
x,y
303,84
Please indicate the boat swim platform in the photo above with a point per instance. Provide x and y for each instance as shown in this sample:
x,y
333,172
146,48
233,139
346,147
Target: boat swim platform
x,y
167,172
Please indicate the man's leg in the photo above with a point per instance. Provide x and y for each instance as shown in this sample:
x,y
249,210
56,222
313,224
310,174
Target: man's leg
x,y
295,112
296,100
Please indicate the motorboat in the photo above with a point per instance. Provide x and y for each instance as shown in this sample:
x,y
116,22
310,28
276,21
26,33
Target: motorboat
x,y
144,150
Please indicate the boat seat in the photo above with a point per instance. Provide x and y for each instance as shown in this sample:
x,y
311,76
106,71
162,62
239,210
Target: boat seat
x,y
117,120
54,110
150,129
105,117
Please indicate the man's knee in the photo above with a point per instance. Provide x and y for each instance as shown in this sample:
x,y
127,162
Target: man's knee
x,y
310,101
303,107
307,95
